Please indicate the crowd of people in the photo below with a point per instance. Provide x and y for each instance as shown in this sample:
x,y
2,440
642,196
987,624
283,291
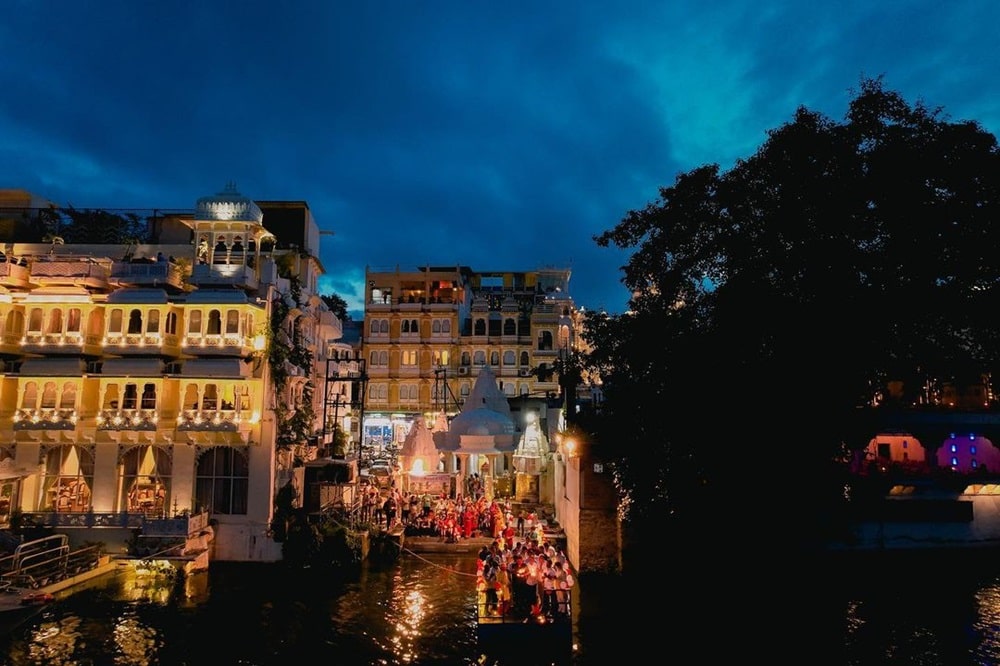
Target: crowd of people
x,y
520,573
530,578
449,519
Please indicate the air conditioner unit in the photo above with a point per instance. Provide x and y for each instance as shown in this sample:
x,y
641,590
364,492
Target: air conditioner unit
x,y
524,372
463,370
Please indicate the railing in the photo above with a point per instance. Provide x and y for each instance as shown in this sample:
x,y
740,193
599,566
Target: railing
x,y
46,561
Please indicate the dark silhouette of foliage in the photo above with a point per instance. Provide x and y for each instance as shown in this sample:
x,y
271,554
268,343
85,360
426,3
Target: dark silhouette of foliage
x,y
337,305
774,301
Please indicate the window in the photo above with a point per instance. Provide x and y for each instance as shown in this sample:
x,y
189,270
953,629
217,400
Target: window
x,y
466,359
495,358
153,322
111,397
171,323
115,322
210,401
509,327
73,321
190,398
55,322
49,396
408,357
35,321
14,325
149,396
214,322
479,358
194,322
508,358
145,480
222,481
134,322
68,398
479,328
436,326
30,398
464,390
130,400
232,322
525,359
545,340
441,356
69,476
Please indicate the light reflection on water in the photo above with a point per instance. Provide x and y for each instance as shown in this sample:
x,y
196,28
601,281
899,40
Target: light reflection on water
x,y
420,610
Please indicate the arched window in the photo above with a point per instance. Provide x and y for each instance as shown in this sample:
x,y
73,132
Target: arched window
x,y
35,320
494,358
545,340
69,477
232,322
145,480
74,321
30,398
210,401
130,399
190,397
509,358
68,398
525,359
509,327
153,321
383,358
446,326
464,390
374,326
466,359
194,322
374,359
405,326
134,322
222,481
148,396
111,397
171,323
383,326
49,396
55,322
436,326
479,358
214,322
14,325
115,321
479,328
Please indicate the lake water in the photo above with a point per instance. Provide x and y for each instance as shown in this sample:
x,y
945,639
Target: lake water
x,y
420,610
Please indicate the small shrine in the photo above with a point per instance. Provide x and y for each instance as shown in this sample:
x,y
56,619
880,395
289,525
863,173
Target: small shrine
x,y
422,471
530,459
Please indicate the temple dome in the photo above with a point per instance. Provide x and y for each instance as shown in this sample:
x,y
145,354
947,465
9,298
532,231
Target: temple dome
x,y
228,206
482,421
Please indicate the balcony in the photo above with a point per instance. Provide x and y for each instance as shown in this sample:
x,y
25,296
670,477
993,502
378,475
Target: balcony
x,y
14,275
142,343
80,271
231,344
156,274
59,343
127,419
46,418
224,275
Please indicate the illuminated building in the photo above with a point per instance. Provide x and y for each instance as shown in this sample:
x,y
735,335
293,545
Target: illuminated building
x,y
177,373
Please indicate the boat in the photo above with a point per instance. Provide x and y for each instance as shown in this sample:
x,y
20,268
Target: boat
x,y
18,605
522,627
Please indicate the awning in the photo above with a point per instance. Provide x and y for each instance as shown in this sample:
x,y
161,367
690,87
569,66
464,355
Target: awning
x,y
133,367
53,367
216,367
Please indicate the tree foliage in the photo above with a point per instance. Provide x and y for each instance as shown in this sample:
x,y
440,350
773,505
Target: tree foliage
x,y
773,301
337,305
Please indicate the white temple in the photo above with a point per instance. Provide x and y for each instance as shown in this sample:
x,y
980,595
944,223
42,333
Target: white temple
x,y
482,438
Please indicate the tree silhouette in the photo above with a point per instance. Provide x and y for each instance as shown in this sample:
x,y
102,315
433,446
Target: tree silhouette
x,y
772,303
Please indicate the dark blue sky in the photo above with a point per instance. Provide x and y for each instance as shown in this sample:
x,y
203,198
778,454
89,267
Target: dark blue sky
x,y
498,135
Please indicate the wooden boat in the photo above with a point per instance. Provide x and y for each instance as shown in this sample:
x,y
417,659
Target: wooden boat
x,y
18,605
523,627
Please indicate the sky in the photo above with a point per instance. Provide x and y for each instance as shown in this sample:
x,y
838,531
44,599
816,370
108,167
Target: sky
x,y
494,135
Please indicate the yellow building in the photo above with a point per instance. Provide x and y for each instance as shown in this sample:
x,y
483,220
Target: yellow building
x,y
161,379
428,333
